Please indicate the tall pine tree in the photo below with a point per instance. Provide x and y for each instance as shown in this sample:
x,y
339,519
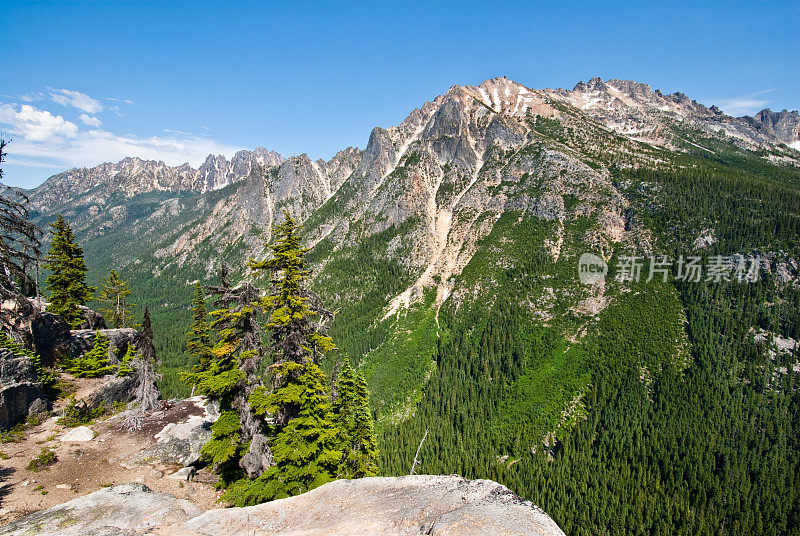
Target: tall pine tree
x,y
364,453
67,281
286,437
305,436
238,445
357,436
198,339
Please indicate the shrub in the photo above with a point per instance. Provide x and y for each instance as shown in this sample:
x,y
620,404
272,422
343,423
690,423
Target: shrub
x,y
79,414
43,461
94,363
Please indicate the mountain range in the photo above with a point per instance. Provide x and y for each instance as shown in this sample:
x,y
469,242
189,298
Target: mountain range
x,y
449,247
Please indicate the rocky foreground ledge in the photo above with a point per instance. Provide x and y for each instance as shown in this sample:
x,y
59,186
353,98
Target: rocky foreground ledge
x,y
435,505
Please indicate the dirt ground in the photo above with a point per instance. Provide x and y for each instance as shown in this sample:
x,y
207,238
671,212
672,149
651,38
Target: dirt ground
x,y
85,467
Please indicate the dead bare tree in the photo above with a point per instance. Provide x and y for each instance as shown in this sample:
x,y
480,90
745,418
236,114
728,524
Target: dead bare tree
x,y
416,456
20,239
146,393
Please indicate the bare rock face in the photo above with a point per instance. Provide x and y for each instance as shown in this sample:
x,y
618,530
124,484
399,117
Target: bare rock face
x,y
50,337
180,442
21,392
16,401
128,509
436,505
411,505
93,319
113,391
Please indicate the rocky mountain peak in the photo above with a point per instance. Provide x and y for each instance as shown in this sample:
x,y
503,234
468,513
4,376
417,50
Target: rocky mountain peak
x,y
635,110
784,125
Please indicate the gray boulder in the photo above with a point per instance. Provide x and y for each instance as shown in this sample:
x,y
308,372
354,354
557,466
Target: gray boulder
x,y
21,394
16,369
81,434
51,337
179,442
93,319
381,506
16,400
125,510
111,392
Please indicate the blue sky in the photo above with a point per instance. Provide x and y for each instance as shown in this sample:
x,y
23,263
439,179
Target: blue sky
x,y
83,83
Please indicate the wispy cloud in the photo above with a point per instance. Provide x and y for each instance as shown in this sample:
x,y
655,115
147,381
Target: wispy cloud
x,y
33,96
76,99
126,101
745,104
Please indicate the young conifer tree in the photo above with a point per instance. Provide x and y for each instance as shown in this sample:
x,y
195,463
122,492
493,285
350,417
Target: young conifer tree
x,y
125,365
114,296
198,339
364,447
67,281
94,363
344,408
359,447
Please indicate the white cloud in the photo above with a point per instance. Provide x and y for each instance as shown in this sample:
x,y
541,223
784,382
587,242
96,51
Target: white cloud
x,y
41,139
89,120
36,125
76,99
745,104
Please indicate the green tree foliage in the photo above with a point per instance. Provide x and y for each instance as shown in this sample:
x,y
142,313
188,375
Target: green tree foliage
x,y
229,376
361,460
302,444
147,349
114,293
94,363
198,339
344,405
306,450
298,342
296,334
67,280
707,449
354,418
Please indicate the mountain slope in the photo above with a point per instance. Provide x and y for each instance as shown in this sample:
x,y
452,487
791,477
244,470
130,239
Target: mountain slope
x,y
449,248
